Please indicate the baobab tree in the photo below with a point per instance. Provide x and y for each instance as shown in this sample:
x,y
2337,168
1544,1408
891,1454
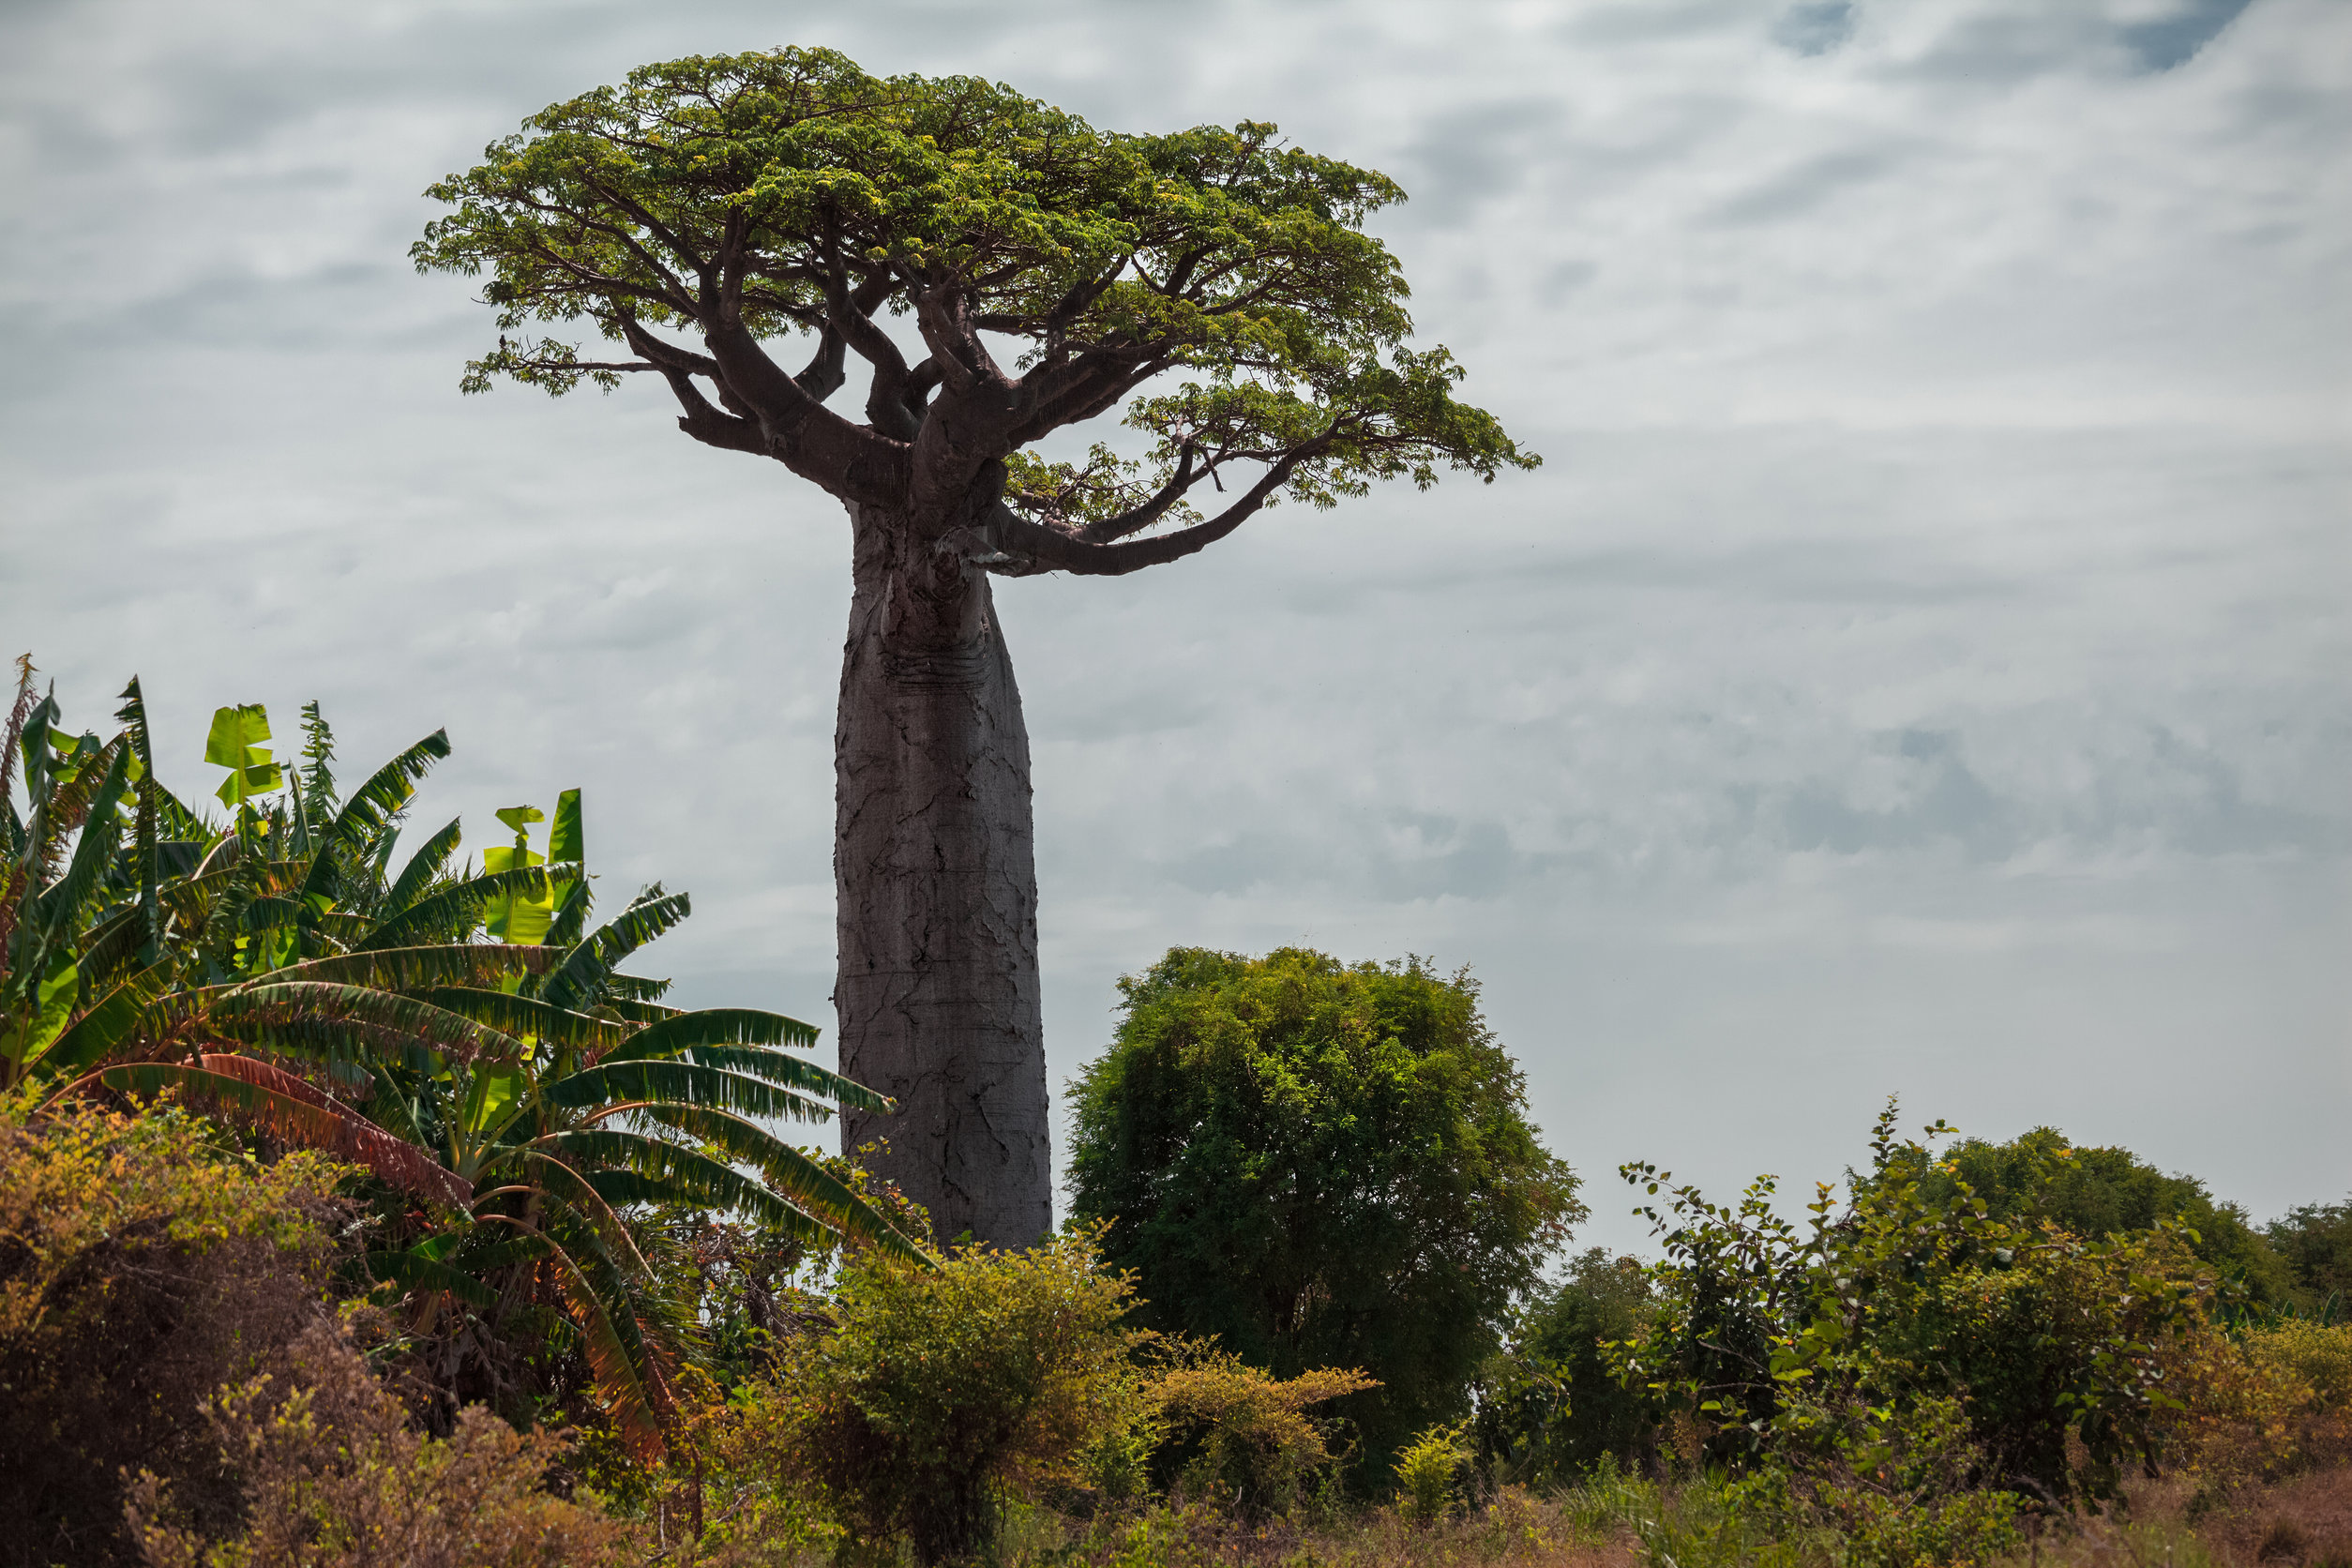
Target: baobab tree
x,y
1004,272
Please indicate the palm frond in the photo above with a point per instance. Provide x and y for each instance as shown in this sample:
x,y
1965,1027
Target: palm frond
x,y
451,963
318,746
456,908
145,865
422,868
683,1174
629,1188
684,1083
61,905
110,946
114,1019
637,1012
294,1111
789,1171
519,1016
559,1181
688,1175
580,979
175,821
636,987
417,1272
258,1012
620,1383
372,808
745,1040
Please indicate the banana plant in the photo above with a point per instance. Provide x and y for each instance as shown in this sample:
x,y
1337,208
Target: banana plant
x,y
526,1094
533,1131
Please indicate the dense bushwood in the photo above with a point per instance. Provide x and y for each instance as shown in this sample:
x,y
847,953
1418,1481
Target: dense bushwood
x,y
1003,271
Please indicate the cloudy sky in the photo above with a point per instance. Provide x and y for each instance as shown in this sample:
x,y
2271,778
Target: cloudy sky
x,y
1919,666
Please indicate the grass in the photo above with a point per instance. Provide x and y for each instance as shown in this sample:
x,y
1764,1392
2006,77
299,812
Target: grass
x,y
1620,1521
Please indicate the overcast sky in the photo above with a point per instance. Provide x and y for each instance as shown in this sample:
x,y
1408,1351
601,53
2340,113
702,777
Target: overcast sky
x,y
1919,666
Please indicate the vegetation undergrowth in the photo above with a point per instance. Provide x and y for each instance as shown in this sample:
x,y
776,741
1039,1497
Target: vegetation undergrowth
x,y
355,1215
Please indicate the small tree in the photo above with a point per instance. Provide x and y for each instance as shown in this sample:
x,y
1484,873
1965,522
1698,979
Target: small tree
x,y
2315,1241
2093,1193
1910,1345
1320,1166
1551,1406
1048,271
936,1391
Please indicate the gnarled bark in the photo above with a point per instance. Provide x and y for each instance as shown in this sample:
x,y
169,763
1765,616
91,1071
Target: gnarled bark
x,y
934,865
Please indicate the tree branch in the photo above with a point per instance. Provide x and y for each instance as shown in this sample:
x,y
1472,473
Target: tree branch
x,y
1136,518
852,313
702,419
848,460
1080,391
1032,547
823,377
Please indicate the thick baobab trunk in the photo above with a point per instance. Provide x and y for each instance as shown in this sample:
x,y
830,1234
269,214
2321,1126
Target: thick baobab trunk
x,y
937,882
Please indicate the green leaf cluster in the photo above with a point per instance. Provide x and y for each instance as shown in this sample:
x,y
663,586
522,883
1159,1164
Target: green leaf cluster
x,y
789,192
932,1393
1321,1165
2094,1192
1910,1343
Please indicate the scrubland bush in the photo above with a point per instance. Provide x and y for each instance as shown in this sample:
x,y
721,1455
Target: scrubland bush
x,y
933,1390
1430,1473
1909,1372
333,1476
1223,1431
143,1263
2094,1193
2264,1404
2315,1241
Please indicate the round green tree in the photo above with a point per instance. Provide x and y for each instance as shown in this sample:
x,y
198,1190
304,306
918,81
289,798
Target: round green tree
x,y
1322,1165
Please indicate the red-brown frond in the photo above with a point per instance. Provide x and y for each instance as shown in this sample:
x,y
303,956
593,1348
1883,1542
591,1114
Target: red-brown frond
x,y
294,1112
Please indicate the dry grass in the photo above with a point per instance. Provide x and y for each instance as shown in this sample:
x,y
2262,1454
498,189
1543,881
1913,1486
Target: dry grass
x,y
1619,1523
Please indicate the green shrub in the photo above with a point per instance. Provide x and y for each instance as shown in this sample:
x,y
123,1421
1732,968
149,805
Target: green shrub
x,y
2315,1241
1839,1351
1429,1474
2317,1356
1551,1406
1321,1165
2096,1193
936,1391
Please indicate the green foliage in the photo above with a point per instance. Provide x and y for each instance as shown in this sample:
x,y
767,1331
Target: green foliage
x,y
2094,1193
751,1286
788,192
2315,1242
1911,1345
1320,1165
1430,1473
1551,1406
937,1390
2316,1356
143,1264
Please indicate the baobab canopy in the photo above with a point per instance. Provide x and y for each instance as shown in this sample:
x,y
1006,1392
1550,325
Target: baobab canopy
x,y
708,211
756,197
